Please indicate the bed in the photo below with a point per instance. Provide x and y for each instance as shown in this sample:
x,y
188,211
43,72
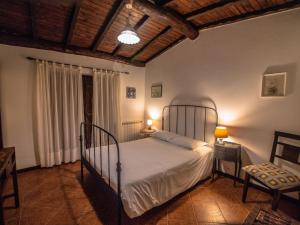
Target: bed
x,y
149,172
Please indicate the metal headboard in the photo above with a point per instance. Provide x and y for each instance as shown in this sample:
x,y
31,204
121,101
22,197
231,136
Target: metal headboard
x,y
169,109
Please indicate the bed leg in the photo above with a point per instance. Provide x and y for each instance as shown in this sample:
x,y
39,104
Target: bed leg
x,y
119,216
119,201
81,171
119,212
81,154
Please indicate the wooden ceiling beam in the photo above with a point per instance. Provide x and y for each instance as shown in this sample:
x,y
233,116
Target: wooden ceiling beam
x,y
32,15
53,46
166,48
249,15
72,23
112,15
214,6
139,52
168,16
162,2
139,24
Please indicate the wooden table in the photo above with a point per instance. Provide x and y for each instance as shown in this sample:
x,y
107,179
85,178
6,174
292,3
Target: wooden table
x,y
228,151
7,167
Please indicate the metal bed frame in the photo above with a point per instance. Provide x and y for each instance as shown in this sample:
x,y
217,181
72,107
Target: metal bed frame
x,y
86,161
195,108
108,139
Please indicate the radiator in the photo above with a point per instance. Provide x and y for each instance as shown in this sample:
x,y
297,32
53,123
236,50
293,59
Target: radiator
x,y
131,130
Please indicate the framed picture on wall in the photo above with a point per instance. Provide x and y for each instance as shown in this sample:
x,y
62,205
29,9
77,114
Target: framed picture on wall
x,y
156,91
273,85
131,92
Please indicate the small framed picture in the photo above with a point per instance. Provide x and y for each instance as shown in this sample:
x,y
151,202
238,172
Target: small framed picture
x,y
156,91
131,92
273,85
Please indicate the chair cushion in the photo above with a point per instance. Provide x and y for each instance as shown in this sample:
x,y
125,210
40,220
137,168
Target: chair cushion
x,y
273,176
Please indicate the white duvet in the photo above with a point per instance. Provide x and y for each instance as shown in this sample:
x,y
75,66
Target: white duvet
x,y
153,171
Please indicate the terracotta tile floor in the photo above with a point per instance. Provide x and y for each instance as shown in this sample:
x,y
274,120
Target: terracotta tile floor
x,y
55,197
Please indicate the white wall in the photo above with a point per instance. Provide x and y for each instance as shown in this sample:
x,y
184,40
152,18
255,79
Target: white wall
x,y
16,90
226,64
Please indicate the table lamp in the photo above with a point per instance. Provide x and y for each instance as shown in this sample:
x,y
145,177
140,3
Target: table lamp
x,y
149,123
220,133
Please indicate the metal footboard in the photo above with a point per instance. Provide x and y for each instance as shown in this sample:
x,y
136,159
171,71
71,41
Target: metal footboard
x,y
96,140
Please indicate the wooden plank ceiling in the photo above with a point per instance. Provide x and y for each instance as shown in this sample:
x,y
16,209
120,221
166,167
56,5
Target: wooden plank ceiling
x,y
91,27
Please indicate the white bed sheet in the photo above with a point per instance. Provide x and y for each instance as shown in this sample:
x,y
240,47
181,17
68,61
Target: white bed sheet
x,y
153,171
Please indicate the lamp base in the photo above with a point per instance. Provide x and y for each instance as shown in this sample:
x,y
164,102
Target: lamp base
x,y
220,141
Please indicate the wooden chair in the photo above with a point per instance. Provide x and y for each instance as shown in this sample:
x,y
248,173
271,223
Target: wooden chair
x,y
272,176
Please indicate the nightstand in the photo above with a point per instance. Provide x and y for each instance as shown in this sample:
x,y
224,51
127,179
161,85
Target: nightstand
x,y
146,132
228,151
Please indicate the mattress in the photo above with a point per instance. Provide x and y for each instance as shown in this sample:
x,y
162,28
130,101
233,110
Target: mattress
x,y
153,171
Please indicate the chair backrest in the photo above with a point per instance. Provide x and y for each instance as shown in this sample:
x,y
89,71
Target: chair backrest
x,y
290,151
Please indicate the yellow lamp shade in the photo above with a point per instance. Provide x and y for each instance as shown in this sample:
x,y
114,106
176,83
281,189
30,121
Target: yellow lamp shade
x,y
149,122
221,132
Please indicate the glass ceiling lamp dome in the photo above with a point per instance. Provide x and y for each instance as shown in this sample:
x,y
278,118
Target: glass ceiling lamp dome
x,y
129,37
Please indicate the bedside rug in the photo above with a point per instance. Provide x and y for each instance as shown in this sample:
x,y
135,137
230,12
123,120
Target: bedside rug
x,y
260,216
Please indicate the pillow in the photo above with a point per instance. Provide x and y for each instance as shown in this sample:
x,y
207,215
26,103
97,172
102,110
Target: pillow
x,y
163,135
187,142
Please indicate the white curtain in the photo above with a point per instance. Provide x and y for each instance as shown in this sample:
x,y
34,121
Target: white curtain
x,y
106,100
59,111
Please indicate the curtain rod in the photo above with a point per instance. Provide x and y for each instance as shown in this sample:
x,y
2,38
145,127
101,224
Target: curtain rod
x,y
31,58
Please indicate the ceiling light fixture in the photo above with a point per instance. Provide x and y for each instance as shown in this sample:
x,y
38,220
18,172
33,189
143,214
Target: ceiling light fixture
x,y
128,36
